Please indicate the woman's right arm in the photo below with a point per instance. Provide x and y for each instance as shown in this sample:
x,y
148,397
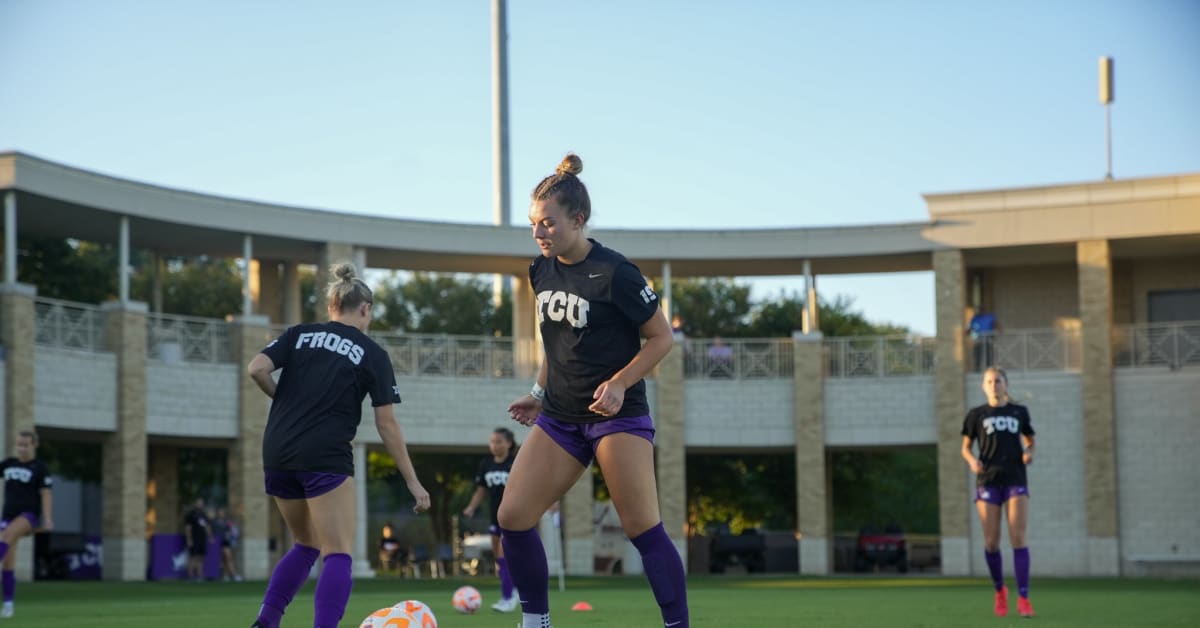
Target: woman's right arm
x,y
393,440
972,461
260,369
476,499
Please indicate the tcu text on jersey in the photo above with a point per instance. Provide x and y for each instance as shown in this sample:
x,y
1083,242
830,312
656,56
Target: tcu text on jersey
x,y
18,474
1002,423
558,305
331,342
495,478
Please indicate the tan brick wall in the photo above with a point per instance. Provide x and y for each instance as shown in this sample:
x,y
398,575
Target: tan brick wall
x,y
162,491
1028,297
248,504
124,457
332,253
1149,275
576,508
266,289
812,496
669,445
950,291
17,334
1095,300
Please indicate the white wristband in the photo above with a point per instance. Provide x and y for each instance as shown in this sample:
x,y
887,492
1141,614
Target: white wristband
x,y
537,392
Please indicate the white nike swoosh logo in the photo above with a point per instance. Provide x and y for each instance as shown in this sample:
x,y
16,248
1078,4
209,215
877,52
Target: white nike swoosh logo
x,y
594,275
674,623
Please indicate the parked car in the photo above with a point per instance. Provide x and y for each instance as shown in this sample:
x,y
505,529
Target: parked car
x,y
878,550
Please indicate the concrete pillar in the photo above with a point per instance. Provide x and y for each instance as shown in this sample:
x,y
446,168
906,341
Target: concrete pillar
x,y
124,458
17,329
671,459
527,346
954,492
331,253
290,295
577,511
362,562
10,237
1094,261
248,503
812,499
267,287
162,491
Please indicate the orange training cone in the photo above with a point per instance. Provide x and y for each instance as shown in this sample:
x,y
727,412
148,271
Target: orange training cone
x,y
581,606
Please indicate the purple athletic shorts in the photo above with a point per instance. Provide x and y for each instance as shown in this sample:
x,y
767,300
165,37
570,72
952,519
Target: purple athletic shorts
x,y
301,484
998,494
581,439
34,521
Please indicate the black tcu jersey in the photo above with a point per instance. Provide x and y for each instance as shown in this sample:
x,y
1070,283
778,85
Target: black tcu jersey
x,y
23,484
493,476
328,368
998,432
590,315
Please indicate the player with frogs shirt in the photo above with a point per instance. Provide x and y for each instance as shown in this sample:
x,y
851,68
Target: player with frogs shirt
x,y
1004,433
589,400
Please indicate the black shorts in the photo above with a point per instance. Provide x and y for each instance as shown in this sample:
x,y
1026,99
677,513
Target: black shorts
x,y
198,549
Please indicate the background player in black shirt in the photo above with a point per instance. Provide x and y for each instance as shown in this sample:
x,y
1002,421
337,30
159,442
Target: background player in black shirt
x,y
490,480
1004,433
328,368
196,527
589,400
27,507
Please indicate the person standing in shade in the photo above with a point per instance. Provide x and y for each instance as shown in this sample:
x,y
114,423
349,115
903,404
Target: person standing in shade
x,y
225,531
27,507
589,399
308,461
490,480
1004,433
983,329
196,525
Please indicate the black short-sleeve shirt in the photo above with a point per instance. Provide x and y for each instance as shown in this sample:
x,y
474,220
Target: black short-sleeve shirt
x,y
23,484
590,314
493,476
197,524
997,430
328,369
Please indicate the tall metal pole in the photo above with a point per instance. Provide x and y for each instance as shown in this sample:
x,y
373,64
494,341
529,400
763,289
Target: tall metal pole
x,y
1107,89
500,170
123,260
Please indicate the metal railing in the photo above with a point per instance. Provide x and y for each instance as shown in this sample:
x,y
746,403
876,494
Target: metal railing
x,y
68,324
737,358
1173,345
171,337
879,356
1048,349
442,354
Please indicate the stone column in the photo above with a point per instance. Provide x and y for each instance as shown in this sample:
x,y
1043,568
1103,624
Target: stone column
x,y
527,348
332,253
671,459
248,503
954,510
362,563
17,331
290,296
579,546
124,458
162,491
1094,261
812,499
267,288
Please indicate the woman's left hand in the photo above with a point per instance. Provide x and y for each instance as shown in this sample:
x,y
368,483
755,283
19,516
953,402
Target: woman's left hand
x,y
1027,458
609,396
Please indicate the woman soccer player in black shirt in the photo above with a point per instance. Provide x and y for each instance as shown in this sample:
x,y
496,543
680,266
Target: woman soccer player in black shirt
x,y
308,462
589,400
1004,434
27,507
490,481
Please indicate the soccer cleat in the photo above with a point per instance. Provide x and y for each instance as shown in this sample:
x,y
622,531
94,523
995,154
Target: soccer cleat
x,y
6,611
1002,602
1024,608
506,605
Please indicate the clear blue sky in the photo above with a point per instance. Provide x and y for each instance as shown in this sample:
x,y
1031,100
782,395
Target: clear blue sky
x,y
695,113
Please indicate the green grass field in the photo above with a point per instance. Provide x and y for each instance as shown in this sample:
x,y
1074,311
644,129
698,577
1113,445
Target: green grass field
x,y
733,602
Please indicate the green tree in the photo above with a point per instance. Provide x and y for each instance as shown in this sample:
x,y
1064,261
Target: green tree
x,y
449,478
441,304
876,488
839,318
711,306
741,491
200,286
68,269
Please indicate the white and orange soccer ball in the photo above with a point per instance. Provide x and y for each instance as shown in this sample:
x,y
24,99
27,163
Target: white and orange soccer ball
x,y
406,614
467,600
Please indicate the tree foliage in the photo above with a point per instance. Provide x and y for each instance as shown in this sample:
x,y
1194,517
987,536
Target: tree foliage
x,y
878,488
741,491
441,304
449,478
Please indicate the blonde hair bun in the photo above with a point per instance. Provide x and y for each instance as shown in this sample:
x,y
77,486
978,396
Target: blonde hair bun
x,y
344,271
571,164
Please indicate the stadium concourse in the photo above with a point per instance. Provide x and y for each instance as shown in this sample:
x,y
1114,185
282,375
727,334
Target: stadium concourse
x,y
1097,286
